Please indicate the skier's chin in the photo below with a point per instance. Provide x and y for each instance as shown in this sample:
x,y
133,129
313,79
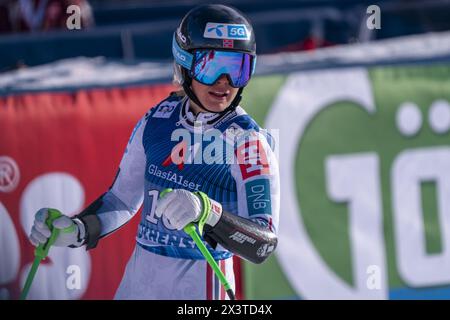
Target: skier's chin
x,y
217,107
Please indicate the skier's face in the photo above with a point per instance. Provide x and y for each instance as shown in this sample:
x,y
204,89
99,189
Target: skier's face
x,y
216,97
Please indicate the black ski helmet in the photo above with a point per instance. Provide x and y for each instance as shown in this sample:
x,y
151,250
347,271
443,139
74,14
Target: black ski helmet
x,y
190,35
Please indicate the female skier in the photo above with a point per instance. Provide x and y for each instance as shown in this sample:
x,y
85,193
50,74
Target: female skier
x,y
201,144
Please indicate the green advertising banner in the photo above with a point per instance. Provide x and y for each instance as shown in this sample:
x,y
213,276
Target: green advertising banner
x,y
364,160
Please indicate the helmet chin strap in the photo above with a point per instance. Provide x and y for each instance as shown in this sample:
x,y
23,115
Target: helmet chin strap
x,y
190,93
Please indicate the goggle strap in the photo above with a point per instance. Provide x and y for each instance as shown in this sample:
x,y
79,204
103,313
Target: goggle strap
x,y
182,57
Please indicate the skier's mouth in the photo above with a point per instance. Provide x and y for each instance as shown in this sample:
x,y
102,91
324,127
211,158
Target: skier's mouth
x,y
219,94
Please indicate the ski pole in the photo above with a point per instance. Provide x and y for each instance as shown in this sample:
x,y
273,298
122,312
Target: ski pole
x,y
41,251
192,232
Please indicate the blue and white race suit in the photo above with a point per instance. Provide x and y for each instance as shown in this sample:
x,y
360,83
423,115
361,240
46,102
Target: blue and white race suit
x,y
166,264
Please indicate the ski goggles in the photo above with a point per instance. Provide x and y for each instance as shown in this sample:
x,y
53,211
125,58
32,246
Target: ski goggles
x,y
208,65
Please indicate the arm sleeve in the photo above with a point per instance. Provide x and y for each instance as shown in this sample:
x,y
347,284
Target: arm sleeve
x,y
257,178
253,233
124,198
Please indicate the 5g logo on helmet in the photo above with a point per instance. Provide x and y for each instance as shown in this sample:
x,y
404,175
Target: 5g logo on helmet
x,y
226,31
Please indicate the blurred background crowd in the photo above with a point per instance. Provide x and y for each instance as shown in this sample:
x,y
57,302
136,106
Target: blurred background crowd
x,y
135,30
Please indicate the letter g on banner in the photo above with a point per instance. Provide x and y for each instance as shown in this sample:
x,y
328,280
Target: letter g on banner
x,y
305,269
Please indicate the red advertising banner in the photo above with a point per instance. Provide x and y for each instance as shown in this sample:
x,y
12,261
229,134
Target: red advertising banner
x,y
62,150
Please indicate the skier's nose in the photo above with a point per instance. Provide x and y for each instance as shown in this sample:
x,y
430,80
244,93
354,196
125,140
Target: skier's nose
x,y
223,80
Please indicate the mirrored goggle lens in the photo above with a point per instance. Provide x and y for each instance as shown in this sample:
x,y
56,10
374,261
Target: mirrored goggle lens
x,y
210,65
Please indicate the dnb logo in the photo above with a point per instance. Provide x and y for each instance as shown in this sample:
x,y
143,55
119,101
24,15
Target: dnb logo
x,y
365,174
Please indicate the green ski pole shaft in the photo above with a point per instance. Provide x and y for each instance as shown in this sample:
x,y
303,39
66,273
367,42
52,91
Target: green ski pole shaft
x,y
30,278
190,230
41,252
